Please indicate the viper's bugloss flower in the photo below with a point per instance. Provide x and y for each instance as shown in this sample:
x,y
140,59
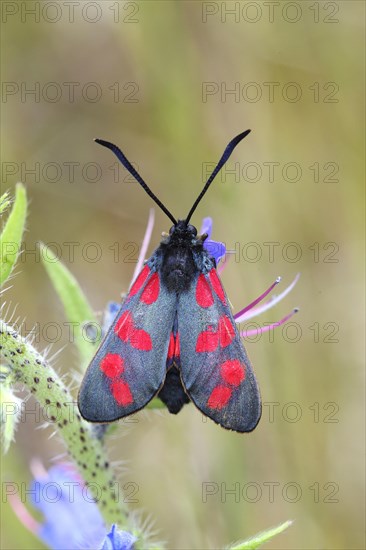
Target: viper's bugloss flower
x,y
216,249
118,540
71,517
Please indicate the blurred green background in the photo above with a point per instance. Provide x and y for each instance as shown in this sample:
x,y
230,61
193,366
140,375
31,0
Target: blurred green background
x,y
155,78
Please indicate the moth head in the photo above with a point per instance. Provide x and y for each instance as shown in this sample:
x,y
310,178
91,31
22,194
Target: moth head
x,y
183,228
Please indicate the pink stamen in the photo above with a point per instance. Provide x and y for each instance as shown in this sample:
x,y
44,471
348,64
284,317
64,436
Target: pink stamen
x,y
270,303
23,515
144,246
260,330
238,316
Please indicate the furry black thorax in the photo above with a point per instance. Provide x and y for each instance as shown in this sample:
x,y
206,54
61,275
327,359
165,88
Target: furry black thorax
x,y
181,255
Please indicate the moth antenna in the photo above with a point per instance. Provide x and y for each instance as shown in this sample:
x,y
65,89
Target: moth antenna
x,y
126,163
225,157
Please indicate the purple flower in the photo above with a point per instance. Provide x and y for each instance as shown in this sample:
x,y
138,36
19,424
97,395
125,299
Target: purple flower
x,y
72,520
118,540
216,249
71,517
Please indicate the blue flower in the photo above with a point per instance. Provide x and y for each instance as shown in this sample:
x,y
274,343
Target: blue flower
x,y
216,249
118,540
71,517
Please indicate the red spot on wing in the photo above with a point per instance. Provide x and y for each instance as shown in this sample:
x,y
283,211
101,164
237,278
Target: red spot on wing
x,y
233,372
203,292
177,346
151,291
208,340
112,365
140,339
226,331
174,346
217,286
126,331
124,326
139,281
171,347
122,393
219,397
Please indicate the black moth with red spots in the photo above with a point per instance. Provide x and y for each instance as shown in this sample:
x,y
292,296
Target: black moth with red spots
x,y
174,336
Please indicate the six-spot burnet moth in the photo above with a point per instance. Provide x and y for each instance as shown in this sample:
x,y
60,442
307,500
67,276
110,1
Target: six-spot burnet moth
x,y
174,336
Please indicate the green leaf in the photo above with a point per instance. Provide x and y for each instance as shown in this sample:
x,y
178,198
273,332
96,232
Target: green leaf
x,y
261,538
11,236
76,306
